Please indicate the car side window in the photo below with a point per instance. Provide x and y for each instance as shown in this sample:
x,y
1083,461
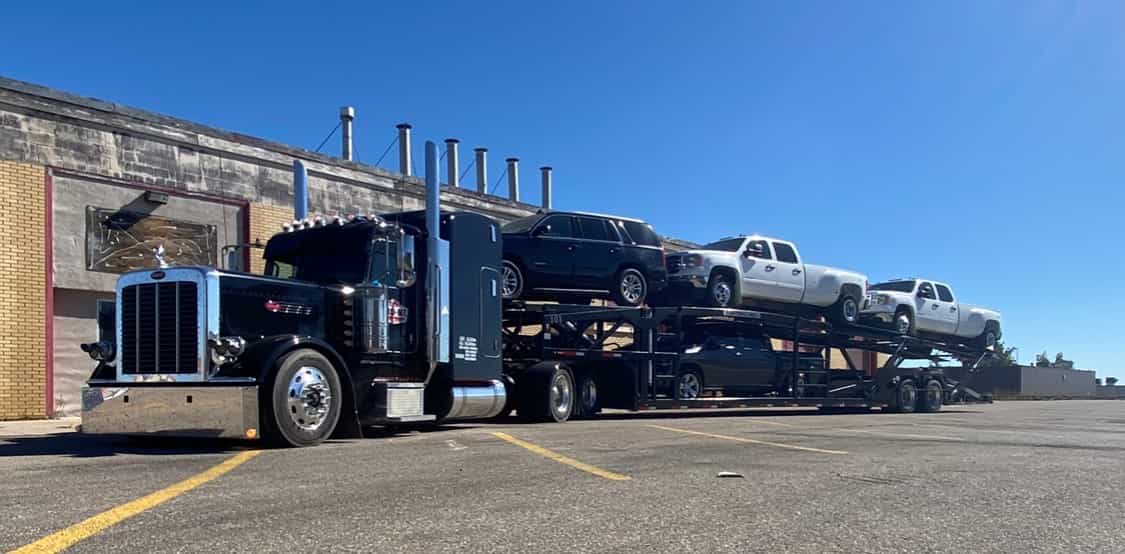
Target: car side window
x,y
754,344
556,226
759,249
785,253
944,293
592,229
926,290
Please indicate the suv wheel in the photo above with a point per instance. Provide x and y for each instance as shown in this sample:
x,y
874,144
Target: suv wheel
x,y
630,288
511,280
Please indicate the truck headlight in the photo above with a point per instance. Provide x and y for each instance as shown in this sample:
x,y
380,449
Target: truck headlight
x,y
693,260
101,351
225,350
883,299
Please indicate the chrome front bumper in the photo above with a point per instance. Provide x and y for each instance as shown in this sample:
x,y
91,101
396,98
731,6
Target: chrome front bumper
x,y
214,412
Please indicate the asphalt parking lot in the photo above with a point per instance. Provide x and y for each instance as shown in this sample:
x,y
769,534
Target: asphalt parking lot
x,y
1011,476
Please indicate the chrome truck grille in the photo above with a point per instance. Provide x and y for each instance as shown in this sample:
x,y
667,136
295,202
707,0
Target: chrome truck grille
x,y
160,328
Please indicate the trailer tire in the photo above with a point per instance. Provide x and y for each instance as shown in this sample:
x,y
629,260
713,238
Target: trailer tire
x,y
906,397
546,393
305,396
588,403
932,397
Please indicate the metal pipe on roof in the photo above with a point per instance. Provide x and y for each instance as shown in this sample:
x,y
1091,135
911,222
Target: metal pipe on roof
x,y
545,179
347,116
513,179
451,165
481,163
404,162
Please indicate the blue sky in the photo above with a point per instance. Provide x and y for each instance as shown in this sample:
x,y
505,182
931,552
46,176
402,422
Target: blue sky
x,y
979,143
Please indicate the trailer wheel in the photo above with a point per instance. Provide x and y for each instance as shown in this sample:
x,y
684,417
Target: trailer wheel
x,y
588,401
906,397
305,399
932,397
546,393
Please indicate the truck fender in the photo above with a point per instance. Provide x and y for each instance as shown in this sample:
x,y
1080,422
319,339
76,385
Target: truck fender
x,y
261,358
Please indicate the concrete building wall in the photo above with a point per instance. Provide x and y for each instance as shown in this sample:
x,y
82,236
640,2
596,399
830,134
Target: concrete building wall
x,y
24,293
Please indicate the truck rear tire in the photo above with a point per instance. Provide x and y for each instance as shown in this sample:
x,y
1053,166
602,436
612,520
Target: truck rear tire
x,y
906,397
546,392
988,338
304,400
845,310
932,398
629,288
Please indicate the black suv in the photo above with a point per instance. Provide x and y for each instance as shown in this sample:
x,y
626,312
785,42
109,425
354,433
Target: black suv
x,y
566,255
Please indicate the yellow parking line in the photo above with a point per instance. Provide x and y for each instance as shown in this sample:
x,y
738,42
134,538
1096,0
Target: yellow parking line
x,y
751,441
62,540
549,454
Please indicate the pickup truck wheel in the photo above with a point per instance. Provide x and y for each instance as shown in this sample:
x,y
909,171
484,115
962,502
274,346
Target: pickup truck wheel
x,y
630,288
988,338
846,310
906,397
720,291
511,280
932,397
903,323
305,399
689,385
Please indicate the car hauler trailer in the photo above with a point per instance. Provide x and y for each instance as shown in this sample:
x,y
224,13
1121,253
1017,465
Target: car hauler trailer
x,y
569,361
398,319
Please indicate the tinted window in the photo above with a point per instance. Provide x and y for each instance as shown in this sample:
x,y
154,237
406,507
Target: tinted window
x,y
557,226
725,245
785,253
926,290
521,225
944,293
763,251
894,286
755,344
642,233
593,229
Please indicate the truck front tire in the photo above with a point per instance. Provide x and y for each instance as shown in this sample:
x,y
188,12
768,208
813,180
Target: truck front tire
x,y
720,291
305,397
988,338
903,322
846,309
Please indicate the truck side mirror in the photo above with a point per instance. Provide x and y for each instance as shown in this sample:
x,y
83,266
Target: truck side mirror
x,y
406,272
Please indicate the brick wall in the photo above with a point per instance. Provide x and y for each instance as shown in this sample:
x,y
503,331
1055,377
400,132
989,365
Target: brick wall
x,y
23,298
265,221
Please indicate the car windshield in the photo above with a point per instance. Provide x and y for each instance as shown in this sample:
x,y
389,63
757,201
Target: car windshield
x,y
521,225
895,286
727,245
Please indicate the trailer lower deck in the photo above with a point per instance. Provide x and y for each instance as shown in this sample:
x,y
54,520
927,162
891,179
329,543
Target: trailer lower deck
x,y
565,361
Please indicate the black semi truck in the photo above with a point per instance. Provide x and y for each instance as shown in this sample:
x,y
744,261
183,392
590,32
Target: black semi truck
x,y
398,319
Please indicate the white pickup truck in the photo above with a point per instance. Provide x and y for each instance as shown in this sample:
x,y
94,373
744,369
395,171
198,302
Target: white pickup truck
x,y
763,272
928,308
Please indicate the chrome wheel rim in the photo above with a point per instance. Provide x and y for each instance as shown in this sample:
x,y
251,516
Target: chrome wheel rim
x,y
561,395
902,324
309,399
850,309
689,386
722,293
509,280
632,288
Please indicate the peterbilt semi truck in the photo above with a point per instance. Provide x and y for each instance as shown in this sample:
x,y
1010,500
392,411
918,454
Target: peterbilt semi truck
x,y
379,320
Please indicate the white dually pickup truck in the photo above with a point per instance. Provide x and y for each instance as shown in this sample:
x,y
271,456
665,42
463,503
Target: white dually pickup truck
x,y
763,272
928,308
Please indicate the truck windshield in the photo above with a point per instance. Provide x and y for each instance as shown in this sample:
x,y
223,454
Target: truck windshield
x,y
326,255
521,225
326,267
895,286
726,245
